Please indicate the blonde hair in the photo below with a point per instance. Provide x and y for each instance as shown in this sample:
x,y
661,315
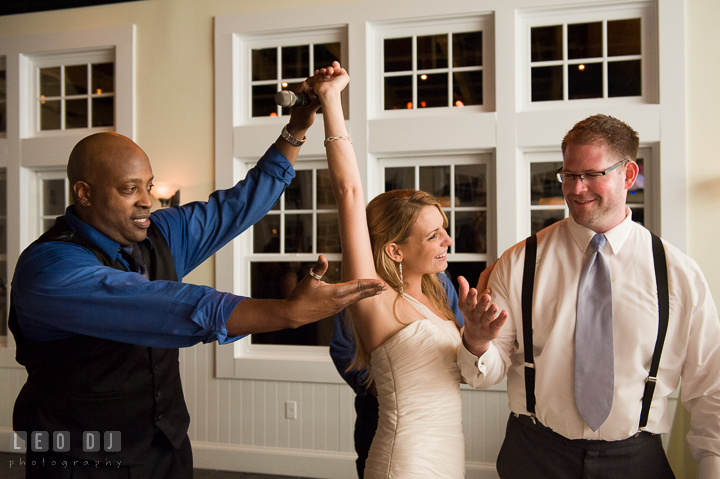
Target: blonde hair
x,y
390,217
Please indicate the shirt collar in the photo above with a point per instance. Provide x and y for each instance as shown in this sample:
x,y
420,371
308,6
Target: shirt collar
x,y
111,247
616,236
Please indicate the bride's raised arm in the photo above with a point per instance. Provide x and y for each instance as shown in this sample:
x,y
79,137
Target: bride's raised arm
x,y
357,257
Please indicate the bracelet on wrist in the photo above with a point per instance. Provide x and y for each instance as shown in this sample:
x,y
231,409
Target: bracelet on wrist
x,y
291,139
333,138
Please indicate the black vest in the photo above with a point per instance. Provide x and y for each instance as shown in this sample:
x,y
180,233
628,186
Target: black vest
x,y
84,383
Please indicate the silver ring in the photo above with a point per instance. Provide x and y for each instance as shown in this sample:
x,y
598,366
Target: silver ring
x,y
315,275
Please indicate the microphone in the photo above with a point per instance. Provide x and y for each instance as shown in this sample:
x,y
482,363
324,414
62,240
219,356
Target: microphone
x,y
287,98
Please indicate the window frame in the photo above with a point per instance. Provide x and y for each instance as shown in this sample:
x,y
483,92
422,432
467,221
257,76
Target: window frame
x,y
408,28
248,42
600,13
63,59
22,153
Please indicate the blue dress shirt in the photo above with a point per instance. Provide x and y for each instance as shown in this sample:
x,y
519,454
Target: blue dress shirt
x,y
60,289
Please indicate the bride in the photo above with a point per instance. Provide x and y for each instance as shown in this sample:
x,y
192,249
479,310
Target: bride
x,y
409,339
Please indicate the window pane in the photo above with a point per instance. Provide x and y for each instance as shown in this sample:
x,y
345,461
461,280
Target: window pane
x,y
547,83
53,197
398,54
398,93
470,232
402,178
76,113
263,100
546,43
298,195
103,111
636,193
623,37
266,235
470,185
585,81
264,64
436,181
432,90
76,80
467,88
540,219
103,78
326,53
275,280
325,197
585,40
50,115
625,78
545,189
467,49
296,61
328,233
50,82
3,251
298,233
432,52
470,270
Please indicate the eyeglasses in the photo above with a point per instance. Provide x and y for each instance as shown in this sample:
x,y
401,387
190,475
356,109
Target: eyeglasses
x,y
591,176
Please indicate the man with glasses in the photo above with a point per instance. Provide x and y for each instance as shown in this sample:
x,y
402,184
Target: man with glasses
x,y
615,316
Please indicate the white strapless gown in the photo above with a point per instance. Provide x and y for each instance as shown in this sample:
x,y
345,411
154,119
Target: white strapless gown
x,y
419,431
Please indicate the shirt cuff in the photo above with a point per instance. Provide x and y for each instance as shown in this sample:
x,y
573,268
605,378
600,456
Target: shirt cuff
x,y
276,165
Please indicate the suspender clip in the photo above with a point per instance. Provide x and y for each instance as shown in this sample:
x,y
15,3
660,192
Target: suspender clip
x,y
651,379
532,416
530,365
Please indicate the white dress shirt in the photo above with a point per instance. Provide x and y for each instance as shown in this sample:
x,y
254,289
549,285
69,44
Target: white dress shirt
x,y
692,345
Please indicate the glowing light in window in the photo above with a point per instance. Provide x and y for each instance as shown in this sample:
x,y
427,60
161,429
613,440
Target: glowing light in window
x,y
423,77
273,114
284,84
581,67
459,104
99,91
409,105
423,104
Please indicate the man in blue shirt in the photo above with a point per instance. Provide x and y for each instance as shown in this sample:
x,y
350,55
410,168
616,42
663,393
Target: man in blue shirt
x,y
98,310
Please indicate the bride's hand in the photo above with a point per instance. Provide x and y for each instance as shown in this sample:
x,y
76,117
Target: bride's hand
x,y
329,80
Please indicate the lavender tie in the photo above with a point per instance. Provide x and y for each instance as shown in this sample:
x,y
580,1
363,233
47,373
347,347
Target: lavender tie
x,y
594,362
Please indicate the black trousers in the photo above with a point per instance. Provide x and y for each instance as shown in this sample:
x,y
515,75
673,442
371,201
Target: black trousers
x,y
161,461
366,421
533,450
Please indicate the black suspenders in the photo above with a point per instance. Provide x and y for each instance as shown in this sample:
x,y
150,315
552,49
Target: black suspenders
x,y
661,278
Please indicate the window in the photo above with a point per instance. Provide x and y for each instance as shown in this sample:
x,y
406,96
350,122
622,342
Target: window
x,y
461,185
281,63
54,197
547,204
285,245
443,64
590,54
586,60
74,91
